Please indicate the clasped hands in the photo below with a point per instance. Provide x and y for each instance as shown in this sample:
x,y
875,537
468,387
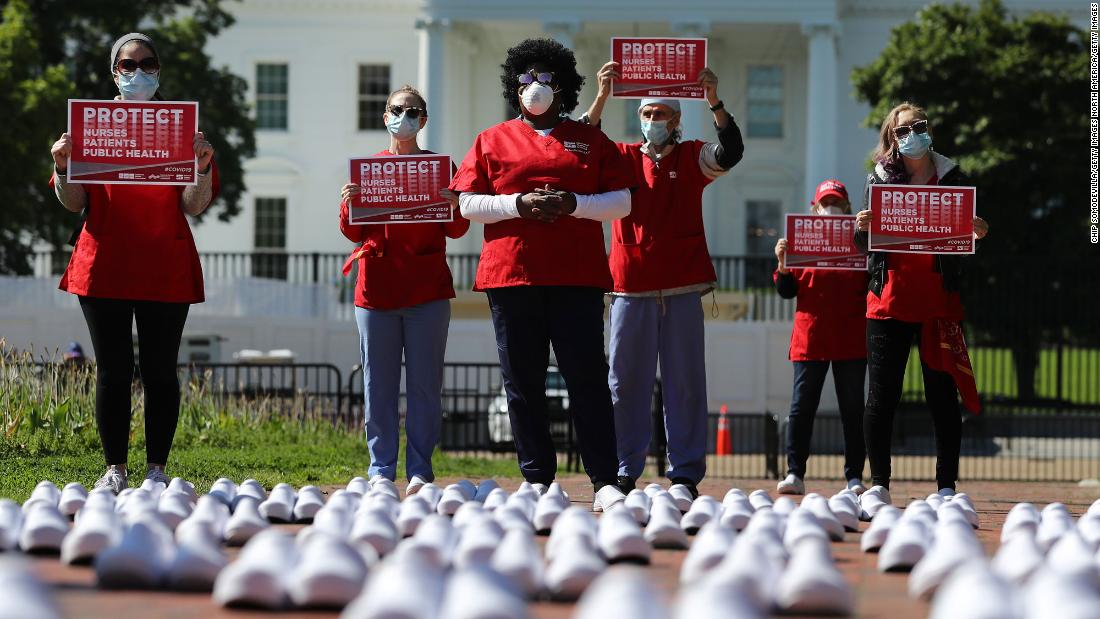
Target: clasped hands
x,y
546,204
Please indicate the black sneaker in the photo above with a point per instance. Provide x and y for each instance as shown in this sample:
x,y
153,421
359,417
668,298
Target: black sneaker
x,y
626,484
690,485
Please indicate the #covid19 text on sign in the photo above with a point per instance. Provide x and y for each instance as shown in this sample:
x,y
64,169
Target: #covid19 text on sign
x,y
823,242
400,189
663,68
133,142
922,219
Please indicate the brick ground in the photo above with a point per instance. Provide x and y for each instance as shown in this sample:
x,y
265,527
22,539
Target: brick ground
x,y
879,596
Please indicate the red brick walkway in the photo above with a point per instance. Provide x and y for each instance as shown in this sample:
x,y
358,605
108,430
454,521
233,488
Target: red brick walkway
x,y
878,596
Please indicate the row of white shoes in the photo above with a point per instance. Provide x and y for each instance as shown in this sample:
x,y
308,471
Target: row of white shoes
x,y
24,595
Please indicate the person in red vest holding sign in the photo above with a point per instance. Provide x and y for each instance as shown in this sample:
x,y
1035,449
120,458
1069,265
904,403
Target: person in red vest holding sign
x,y
661,266
829,330
402,306
543,184
914,297
134,258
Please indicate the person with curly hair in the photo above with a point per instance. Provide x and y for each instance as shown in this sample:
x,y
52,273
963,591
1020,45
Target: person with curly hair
x,y
543,185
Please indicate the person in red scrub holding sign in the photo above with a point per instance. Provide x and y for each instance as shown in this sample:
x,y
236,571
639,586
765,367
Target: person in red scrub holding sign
x,y
829,329
543,184
914,297
403,309
135,258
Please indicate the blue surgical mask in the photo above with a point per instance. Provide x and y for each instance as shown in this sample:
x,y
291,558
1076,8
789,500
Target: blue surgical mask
x,y
915,145
402,127
140,86
655,131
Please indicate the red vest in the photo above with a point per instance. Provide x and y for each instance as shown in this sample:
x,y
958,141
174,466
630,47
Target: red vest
x,y
513,158
829,324
136,244
661,244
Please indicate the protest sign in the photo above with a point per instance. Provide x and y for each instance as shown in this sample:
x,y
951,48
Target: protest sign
x,y
922,219
666,68
823,242
400,189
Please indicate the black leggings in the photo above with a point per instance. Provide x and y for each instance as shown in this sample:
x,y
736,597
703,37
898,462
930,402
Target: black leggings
x,y
159,327
888,346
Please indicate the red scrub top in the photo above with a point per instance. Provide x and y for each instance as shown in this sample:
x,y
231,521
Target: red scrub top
x,y
136,244
829,322
402,265
661,244
513,158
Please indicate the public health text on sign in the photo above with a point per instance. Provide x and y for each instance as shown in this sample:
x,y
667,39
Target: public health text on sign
x,y
133,142
400,189
664,68
823,242
922,219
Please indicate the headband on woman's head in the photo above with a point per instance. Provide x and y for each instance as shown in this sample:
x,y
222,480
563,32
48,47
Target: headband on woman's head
x,y
126,38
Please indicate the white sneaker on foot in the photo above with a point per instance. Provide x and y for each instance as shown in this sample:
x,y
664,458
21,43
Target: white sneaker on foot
x,y
793,484
873,500
415,484
856,486
157,475
607,497
113,479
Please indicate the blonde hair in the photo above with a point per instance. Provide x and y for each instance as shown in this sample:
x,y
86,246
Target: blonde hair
x,y
408,88
885,150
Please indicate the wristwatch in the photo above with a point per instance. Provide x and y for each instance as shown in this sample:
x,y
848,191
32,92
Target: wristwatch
x,y
718,106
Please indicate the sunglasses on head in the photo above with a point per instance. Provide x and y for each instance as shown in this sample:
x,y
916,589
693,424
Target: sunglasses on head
x,y
902,131
530,77
411,112
147,65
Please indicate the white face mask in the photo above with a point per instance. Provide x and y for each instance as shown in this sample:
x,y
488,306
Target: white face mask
x,y
830,210
537,98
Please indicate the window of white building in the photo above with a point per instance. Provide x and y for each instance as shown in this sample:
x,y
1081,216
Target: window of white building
x,y
762,226
374,89
269,238
765,102
271,96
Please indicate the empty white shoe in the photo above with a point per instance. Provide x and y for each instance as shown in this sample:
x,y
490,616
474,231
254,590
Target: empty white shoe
x,y
1054,523
737,511
682,496
415,484
182,486
198,561
819,507
11,522
174,508
759,499
812,584
387,594
607,497
518,559
955,544
621,592
140,560
801,524
856,486
751,568
478,541
639,503
1054,595
664,530
575,523
307,505
435,540
245,522
496,497
45,491
357,485
1073,556
873,500
712,544
875,536
279,505
702,511
429,492
707,600
225,490
480,593
413,511
210,513
329,574
573,568
44,529
382,485
258,577
620,539
452,498
845,507
96,530
1017,559
374,527
905,546
974,592
792,484
72,499
784,505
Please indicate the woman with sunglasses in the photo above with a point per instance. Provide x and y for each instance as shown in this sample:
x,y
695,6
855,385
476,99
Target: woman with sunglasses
x,y
543,184
829,330
661,267
907,295
402,308
135,258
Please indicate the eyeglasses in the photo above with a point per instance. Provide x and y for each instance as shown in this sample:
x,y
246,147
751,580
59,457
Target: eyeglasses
x,y
530,77
128,66
902,131
411,112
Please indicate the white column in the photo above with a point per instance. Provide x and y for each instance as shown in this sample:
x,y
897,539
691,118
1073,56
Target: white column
x,y
695,117
562,31
430,74
821,105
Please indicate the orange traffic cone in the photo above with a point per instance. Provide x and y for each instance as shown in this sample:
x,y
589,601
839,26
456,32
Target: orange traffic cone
x,y
724,444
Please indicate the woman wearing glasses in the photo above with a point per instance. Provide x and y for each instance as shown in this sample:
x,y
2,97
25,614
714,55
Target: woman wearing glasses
x,y
542,184
907,294
402,307
135,258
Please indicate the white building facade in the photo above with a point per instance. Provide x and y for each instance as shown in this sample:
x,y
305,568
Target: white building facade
x,y
319,71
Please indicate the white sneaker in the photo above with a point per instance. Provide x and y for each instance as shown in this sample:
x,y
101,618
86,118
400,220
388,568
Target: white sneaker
x,y
812,584
639,503
452,498
97,530
875,536
945,492
279,505
576,565
141,558
72,499
905,546
712,543
245,522
621,592
663,529
329,574
481,593
415,484
607,497
197,563
11,522
793,484
873,500
44,528
113,479
375,528
308,504
620,539
540,488
157,476
683,497
702,511
479,540
856,486
259,575
517,558
736,511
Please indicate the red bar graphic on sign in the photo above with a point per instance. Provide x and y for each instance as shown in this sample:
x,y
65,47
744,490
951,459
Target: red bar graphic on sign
x,y
133,142
922,219
400,189
667,68
823,242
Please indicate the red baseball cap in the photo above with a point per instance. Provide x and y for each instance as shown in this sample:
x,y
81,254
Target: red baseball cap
x,y
831,187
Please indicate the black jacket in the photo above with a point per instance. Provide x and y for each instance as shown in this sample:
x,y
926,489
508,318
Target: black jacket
x,y
950,267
